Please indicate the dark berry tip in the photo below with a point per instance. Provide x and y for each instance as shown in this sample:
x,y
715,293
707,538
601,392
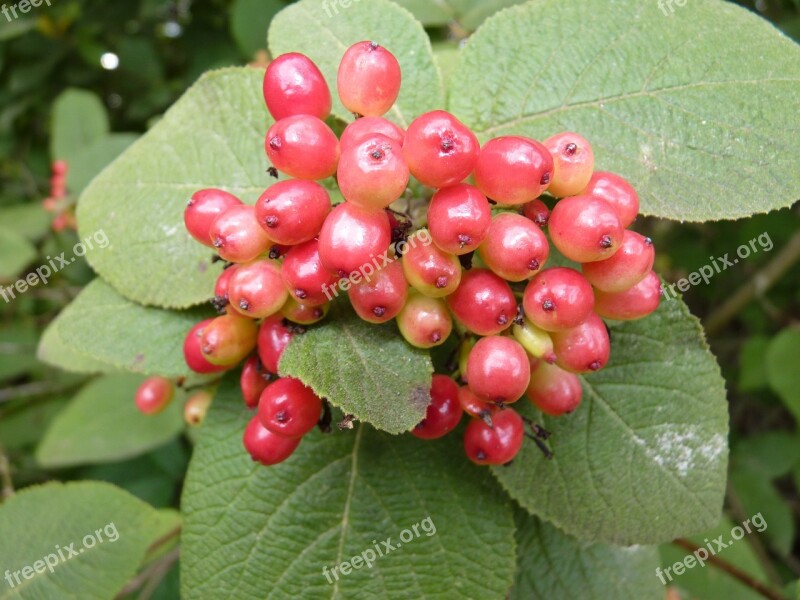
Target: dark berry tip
x,y
436,337
545,178
548,305
541,220
373,45
502,320
271,221
595,366
275,143
377,154
533,265
441,282
480,455
570,148
448,143
281,417
648,241
244,304
301,293
379,311
464,239
605,241
218,242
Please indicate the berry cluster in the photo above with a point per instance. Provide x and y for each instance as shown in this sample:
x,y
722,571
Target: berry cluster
x,y
58,202
484,249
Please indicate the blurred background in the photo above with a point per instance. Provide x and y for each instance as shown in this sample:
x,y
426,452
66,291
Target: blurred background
x,y
115,67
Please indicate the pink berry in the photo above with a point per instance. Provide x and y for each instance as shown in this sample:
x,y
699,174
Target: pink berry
x,y
483,303
227,340
634,303
192,353
273,337
252,381
584,348
257,290
459,218
444,412
553,390
369,126
424,322
369,79
573,163
293,85
473,405
266,447
293,211
379,297
498,369
288,408
153,395
497,444
372,172
585,229
629,265
237,236
304,314
428,269
305,277
303,146
617,192
203,209
513,170
352,238
537,211
514,248
557,299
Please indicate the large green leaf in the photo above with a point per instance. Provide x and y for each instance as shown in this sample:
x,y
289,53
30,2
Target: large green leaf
x,y
782,372
102,424
212,137
79,120
249,23
468,14
643,459
92,159
276,529
28,220
107,529
552,565
367,371
16,253
54,351
324,30
699,108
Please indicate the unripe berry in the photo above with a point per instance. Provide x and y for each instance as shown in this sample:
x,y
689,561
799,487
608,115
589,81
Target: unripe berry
x,y
293,85
352,238
192,353
273,337
293,211
266,447
153,395
513,170
483,303
196,408
429,269
514,248
473,405
573,163
237,236
289,408
380,297
221,300
439,149
631,304
537,211
498,369
498,444
372,172
227,340
553,390
257,289
458,218
203,209
303,146
584,348
629,265
59,167
536,341
253,380
557,299
369,126
424,322
369,79
305,277
444,412
585,229
304,314
617,192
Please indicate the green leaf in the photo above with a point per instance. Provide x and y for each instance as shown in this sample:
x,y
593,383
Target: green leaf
x,y
55,352
772,454
681,105
212,137
429,13
22,426
16,253
102,424
16,28
109,529
553,565
337,497
758,495
17,349
79,120
752,364
324,30
782,371
366,370
250,21
644,457
87,163
29,220
132,337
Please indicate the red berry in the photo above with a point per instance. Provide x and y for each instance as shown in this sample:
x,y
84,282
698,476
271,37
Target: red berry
x,y
227,340
498,369
203,209
573,163
473,405
303,146
617,192
253,381
584,348
221,286
304,314
513,169
257,290
380,297
192,353
237,236
293,211
554,391
305,277
424,322
439,149
629,265
483,303
59,167
496,444
372,172
557,299
537,211
273,337
444,411
428,269
153,395
289,408
196,408
536,341
585,228
514,248
631,304
352,238
458,218
266,447
369,79
369,126
293,85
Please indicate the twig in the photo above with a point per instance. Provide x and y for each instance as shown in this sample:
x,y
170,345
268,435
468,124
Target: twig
x,y
155,570
158,573
36,388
